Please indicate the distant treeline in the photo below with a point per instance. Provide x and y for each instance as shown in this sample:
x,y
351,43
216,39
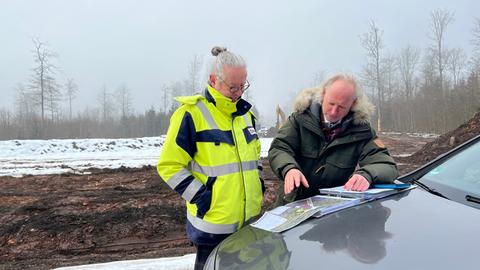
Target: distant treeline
x,y
432,89
88,124
415,89
43,107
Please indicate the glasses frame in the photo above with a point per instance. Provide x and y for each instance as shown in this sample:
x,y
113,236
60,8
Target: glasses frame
x,y
234,89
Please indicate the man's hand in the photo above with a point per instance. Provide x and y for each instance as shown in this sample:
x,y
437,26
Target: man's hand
x,y
357,183
293,178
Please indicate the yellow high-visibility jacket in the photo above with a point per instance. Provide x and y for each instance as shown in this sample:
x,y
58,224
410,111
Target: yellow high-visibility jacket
x,y
211,157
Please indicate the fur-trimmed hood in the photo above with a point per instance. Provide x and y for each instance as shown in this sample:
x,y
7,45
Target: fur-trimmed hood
x,y
362,109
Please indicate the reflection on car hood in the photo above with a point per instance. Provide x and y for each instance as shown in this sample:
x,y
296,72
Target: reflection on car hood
x,y
413,230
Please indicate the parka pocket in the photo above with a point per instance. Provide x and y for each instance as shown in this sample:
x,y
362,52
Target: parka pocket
x,y
207,201
338,169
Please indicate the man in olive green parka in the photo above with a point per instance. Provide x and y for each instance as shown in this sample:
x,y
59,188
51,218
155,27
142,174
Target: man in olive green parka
x,y
328,142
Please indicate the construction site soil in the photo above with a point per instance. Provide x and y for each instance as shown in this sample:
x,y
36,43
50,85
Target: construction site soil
x,y
51,221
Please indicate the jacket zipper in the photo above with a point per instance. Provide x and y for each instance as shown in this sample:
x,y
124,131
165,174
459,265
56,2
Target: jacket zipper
x,y
241,173
324,149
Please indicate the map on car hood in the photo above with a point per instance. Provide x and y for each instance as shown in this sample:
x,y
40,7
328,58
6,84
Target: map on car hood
x,y
288,216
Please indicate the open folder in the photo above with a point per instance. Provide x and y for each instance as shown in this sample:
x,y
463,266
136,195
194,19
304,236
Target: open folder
x,y
372,193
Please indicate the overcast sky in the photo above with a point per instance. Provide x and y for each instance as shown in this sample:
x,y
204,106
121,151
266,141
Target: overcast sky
x,y
146,44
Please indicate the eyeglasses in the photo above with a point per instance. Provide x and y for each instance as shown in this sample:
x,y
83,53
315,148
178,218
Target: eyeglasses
x,y
234,89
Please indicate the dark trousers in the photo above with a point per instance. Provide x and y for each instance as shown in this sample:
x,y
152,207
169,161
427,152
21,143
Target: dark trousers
x,y
202,254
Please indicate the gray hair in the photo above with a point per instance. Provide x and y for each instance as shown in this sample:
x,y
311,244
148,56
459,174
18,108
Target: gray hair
x,y
224,58
362,108
342,77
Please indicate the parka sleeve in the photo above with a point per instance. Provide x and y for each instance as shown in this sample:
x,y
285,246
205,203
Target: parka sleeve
x,y
284,148
375,163
177,151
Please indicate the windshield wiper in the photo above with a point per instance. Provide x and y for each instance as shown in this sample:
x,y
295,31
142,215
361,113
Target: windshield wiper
x,y
430,190
473,199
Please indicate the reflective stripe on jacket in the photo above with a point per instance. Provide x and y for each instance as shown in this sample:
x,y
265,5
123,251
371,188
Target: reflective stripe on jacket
x,y
212,146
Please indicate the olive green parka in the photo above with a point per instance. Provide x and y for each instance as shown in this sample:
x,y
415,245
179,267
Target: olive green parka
x,y
301,144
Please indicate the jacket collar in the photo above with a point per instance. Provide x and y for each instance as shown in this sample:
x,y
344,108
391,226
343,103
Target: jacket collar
x,y
226,104
362,109
311,119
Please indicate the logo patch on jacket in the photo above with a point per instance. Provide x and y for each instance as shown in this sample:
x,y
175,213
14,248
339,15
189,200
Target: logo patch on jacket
x,y
252,131
379,143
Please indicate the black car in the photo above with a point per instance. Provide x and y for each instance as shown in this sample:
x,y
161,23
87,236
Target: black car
x,y
434,226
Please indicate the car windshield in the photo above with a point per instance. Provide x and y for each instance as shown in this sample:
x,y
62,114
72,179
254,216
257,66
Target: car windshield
x,y
462,171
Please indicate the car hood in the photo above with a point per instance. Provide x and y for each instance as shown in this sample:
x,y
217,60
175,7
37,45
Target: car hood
x,y
411,230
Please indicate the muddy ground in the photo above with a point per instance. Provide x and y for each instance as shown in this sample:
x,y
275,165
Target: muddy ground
x,y
51,221
60,220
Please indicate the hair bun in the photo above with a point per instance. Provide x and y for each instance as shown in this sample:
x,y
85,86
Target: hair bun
x,y
217,50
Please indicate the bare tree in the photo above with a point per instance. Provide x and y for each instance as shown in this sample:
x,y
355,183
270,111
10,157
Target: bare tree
x,y
6,123
5,118
176,89
476,44
193,84
23,101
440,19
104,99
456,64
25,113
124,100
42,78
71,89
389,77
53,98
407,63
373,44
166,95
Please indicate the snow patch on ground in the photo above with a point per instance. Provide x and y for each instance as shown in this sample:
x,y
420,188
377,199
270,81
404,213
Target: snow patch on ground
x,y
402,155
22,157
413,134
37,157
185,262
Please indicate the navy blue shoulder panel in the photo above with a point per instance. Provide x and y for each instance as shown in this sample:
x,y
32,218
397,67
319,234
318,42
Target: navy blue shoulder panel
x,y
186,137
216,136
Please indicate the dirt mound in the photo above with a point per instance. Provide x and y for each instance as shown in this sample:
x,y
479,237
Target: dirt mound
x,y
447,141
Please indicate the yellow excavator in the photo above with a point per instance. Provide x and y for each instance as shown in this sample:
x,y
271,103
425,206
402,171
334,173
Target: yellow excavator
x,y
281,119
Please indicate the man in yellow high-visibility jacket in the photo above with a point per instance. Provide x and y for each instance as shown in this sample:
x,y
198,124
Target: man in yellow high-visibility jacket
x,y
211,156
